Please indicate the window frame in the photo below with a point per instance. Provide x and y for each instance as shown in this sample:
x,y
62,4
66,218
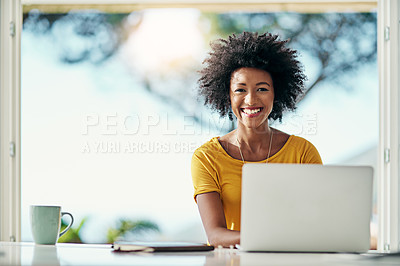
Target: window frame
x,y
389,112
388,147
10,159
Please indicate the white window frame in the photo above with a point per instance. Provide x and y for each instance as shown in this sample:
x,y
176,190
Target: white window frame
x,y
10,156
389,112
388,148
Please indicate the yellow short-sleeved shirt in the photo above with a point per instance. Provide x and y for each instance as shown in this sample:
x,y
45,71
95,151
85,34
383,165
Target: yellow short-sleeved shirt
x,y
214,170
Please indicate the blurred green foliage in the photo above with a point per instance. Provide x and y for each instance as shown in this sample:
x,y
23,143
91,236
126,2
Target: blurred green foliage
x,y
73,234
125,226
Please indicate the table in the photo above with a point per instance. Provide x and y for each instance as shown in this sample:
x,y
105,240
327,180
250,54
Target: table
x,y
86,254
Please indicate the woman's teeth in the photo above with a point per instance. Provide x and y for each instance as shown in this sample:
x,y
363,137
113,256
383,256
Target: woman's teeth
x,y
251,111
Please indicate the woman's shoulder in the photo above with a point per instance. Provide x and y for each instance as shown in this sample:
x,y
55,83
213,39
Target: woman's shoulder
x,y
210,147
217,144
299,141
303,147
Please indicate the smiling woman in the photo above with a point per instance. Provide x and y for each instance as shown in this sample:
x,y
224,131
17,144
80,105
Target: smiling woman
x,y
257,77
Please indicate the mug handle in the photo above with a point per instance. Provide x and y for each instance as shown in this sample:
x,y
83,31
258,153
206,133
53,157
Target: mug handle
x,y
70,224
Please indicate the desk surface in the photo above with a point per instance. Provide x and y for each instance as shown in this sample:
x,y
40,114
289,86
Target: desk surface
x,y
81,254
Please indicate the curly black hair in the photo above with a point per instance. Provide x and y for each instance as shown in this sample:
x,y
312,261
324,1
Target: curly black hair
x,y
249,49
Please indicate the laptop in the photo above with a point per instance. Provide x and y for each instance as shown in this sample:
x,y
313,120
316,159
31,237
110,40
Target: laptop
x,y
305,208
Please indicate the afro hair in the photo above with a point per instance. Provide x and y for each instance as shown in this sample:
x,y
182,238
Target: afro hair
x,y
248,49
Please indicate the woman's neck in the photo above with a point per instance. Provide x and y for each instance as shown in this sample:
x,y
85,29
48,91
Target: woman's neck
x,y
254,139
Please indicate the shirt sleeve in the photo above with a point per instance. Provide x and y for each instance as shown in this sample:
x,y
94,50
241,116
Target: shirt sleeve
x,y
204,176
311,154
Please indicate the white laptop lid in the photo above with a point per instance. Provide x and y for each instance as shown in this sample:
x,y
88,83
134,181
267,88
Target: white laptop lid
x,y
305,207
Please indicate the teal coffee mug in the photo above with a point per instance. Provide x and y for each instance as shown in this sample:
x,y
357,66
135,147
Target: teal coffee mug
x,y
46,223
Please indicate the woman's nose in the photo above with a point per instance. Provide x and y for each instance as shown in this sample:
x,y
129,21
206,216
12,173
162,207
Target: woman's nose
x,y
250,98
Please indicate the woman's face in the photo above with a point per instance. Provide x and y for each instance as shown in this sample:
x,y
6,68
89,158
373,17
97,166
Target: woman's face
x,y
252,96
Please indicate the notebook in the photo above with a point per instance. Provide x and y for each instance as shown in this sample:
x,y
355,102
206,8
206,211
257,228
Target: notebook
x,y
121,246
306,208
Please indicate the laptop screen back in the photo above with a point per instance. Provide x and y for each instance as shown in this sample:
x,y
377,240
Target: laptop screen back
x,y
311,208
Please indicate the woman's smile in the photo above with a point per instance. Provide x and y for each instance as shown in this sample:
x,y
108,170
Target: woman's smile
x,y
252,111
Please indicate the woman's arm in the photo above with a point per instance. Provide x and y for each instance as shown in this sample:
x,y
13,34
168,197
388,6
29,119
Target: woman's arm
x,y
213,218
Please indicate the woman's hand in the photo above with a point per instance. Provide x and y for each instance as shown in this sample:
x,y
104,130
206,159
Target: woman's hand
x,y
213,218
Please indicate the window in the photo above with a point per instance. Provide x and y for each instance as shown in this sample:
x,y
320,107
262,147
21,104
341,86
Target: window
x,y
388,160
112,107
10,21
388,33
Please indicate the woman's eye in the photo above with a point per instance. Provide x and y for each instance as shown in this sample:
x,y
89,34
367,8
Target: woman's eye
x,y
263,89
239,90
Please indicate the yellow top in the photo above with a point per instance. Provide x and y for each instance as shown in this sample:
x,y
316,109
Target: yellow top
x,y
214,170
